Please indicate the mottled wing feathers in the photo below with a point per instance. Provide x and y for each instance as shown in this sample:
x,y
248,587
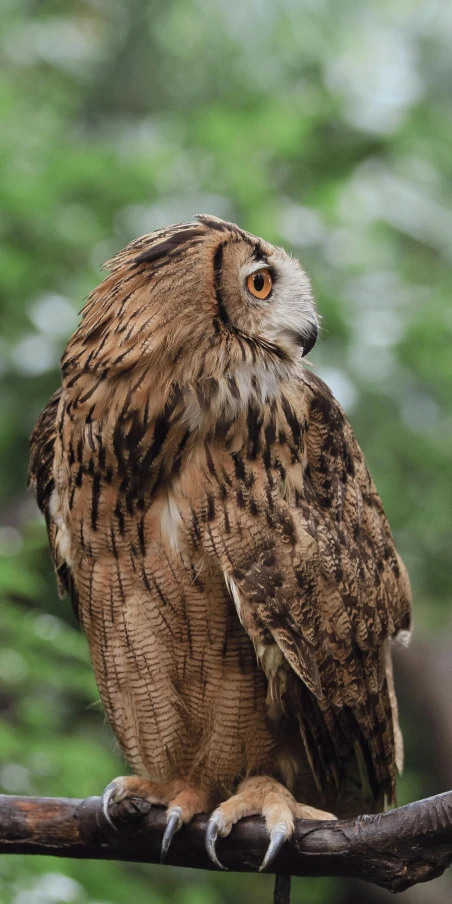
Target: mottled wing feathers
x,y
42,443
264,566
356,542
41,478
308,556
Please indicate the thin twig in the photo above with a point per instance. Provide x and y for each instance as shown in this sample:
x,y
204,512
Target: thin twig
x,y
281,894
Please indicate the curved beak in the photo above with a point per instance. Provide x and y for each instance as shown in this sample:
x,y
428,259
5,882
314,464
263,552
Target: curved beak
x,y
309,339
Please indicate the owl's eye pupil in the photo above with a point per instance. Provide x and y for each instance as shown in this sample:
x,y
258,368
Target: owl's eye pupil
x,y
258,282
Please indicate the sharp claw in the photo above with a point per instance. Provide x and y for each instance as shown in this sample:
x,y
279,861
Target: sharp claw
x,y
211,837
278,836
105,802
173,824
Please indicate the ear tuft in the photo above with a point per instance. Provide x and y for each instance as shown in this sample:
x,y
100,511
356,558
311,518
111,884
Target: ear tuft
x,y
169,245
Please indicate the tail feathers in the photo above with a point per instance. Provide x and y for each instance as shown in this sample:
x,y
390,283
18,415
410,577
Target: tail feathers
x,y
352,752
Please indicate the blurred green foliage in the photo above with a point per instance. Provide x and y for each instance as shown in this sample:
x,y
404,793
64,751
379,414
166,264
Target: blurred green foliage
x,y
320,125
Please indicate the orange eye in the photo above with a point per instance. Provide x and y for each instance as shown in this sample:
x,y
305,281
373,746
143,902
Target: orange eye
x,y
260,284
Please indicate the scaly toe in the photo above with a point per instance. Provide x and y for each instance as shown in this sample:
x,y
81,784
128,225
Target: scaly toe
x,y
212,830
173,824
278,836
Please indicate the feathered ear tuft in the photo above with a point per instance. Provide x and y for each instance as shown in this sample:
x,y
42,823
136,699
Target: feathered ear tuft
x,y
169,245
220,225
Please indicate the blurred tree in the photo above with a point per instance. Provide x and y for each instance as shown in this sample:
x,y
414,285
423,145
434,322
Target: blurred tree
x,y
322,126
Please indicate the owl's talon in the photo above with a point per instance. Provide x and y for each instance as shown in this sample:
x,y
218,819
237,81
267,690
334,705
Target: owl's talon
x,y
173,824
105,803
210,838
278,836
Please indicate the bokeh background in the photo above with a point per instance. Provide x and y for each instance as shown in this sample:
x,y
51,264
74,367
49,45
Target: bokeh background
x,y
321,125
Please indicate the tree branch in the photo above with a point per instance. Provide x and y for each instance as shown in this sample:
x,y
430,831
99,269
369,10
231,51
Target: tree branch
x,y
394,850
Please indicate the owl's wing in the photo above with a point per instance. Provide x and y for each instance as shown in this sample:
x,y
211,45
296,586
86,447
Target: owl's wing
x,y
300,533
41,478
42,445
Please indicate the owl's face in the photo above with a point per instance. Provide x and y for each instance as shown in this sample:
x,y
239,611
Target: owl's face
x,y
264,296
197,302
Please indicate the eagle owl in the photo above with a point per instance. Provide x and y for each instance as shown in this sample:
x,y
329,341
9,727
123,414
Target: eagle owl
x,y
212,518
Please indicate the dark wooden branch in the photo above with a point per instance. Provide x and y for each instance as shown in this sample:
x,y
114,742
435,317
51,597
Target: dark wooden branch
x,y
395,850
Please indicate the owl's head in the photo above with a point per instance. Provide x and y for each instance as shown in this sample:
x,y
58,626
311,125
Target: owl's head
x,y
201,301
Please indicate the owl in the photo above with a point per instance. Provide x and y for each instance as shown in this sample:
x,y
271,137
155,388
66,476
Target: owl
x,y
212,518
